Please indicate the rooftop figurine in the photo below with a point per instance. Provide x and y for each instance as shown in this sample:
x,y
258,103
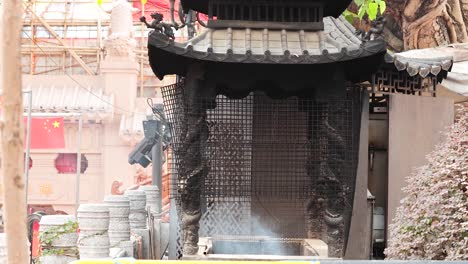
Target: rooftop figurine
x,y
158,25
375,31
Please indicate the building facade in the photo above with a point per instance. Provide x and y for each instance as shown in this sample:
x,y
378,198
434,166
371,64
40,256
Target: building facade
x,y
81,61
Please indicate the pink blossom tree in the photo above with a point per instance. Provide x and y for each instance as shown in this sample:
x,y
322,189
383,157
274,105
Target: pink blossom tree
x,y
432,220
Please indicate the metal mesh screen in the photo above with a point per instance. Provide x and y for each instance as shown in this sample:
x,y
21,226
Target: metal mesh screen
x,y
283,168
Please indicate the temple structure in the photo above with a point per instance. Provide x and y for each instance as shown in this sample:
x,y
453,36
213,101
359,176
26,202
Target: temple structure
x,y
268,117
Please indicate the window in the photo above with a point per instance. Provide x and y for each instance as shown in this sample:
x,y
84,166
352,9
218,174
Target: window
x,y
66,163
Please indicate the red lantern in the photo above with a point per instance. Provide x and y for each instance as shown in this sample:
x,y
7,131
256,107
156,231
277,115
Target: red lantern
x,y
66,163
30,161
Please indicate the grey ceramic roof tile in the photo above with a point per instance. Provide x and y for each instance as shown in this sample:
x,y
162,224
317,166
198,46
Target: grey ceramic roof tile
x,y
336,42
416,64
92,103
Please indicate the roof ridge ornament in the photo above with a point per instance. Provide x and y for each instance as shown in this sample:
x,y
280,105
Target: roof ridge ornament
x,y
375,32
158,25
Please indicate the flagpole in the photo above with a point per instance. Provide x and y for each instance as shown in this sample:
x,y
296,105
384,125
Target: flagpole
x,y
78,164
28,145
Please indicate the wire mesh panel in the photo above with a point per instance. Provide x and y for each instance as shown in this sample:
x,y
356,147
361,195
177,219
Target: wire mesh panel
x,y
229,148
284,168
226,217
174,109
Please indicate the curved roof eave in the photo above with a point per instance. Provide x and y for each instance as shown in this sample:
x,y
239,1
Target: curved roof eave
x,y
171,60
337,43
424,67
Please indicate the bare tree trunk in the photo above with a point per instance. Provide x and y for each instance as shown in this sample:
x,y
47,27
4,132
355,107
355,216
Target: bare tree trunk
x,y
12,135
457,16
426,23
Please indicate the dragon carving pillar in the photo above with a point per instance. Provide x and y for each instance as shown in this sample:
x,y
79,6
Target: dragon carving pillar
x,y
326,206
193,162
335,204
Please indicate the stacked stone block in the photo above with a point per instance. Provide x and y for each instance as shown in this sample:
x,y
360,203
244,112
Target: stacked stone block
x,y
93,241
119,225
152,199
137,216
58,235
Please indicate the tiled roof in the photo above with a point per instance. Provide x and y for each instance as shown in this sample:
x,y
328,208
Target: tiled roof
x,y
457,79
333,39
92,103
336,43
453,58
423,66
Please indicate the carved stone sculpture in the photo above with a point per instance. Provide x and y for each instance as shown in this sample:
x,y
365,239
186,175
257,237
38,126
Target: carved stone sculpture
x,y
120,42
193,166
326,211
141,175
194,169
115,188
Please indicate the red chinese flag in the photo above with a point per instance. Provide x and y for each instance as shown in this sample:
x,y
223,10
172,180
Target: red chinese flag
x,y
47,133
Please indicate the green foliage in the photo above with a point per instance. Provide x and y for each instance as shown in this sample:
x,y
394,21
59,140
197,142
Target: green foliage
x,y
431,222
48,236
93,235
371,8
53,252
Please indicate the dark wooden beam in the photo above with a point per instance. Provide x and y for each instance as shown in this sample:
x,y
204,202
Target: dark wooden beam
x,y
314,26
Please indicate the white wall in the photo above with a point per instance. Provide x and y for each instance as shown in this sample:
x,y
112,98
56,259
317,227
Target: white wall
x,y
415,126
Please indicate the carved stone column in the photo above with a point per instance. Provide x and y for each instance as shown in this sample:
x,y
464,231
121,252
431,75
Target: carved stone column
x,y
333,166
333,162
193,164
119,75
120,43
326,205
316,201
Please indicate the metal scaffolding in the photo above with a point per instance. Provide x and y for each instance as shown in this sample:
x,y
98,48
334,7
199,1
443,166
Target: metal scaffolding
x,y
63,37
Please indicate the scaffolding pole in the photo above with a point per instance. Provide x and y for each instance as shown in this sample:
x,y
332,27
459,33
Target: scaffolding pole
x,y
78,164
28,145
